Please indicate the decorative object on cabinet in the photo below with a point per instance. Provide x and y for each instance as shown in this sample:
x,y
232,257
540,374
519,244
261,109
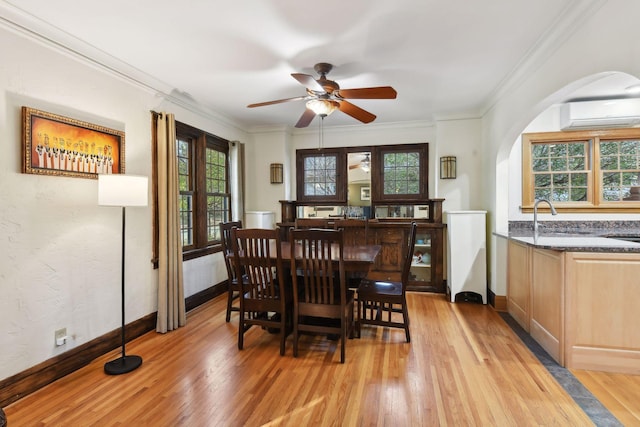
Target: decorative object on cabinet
x,y
122,190
57,145
448,167
276,173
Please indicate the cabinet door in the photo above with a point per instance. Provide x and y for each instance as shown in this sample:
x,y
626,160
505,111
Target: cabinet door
x,y
519,283
392,242
547,298
420,272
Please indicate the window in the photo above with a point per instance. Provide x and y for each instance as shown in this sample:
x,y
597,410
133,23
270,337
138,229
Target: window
x,y
398,174
592,170
203,184
322,175
404,173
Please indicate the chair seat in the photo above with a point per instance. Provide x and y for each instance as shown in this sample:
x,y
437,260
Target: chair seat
x,y
379,297
379,288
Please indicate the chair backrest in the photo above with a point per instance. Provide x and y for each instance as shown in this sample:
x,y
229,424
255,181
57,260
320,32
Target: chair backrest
x,y
225,239
356,231
317,266
257,254
312,223
409,255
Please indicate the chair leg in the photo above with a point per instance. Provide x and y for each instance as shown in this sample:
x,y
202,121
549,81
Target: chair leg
x,y
241,330
295,334
229,301
405,315
343,336
283,333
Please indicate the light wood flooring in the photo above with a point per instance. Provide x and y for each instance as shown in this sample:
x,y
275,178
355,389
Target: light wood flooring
x,y
463,367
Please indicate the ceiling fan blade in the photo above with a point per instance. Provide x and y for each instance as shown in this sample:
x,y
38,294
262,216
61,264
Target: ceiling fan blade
x,y
354,166
279,101
305,118
356,112
381,92
308,81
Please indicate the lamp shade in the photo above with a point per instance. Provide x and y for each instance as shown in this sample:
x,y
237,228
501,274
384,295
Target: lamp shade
x,y
322,107
122,190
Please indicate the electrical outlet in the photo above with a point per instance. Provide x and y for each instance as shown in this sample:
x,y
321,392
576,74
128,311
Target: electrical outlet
x,y
61,336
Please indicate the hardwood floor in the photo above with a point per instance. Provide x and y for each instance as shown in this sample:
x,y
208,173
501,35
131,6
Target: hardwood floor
x,y
464,366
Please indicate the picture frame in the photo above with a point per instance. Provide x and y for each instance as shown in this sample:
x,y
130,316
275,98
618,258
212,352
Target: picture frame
x,y
365,193
61,146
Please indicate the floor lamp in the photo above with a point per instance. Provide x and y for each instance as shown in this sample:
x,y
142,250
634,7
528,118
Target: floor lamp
x,y
122,190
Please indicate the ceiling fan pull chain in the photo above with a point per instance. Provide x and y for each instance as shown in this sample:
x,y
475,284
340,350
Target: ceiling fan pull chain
x,y
321,141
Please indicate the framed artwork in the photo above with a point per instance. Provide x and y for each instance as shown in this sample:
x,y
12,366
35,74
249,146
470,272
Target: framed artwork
x,y
57,145
365,193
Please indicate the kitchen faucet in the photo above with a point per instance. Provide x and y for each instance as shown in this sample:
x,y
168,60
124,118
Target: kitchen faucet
x,y
535,213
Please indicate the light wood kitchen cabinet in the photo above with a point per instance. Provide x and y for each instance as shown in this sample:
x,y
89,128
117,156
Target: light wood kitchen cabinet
x,y
547,301
519,283
581,307
602,313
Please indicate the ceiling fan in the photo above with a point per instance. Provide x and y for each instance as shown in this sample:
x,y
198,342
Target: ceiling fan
x,y
324,96
364,164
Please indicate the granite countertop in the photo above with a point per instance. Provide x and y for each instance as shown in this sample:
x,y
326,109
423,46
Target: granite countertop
x,y
601,236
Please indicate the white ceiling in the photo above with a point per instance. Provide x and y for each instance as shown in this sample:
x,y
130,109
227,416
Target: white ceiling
x,y
444,57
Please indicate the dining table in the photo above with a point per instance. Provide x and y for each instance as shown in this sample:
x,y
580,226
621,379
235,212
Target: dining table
x,y
356,258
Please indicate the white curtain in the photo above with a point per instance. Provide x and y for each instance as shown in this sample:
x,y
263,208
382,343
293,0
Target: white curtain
x,y
171,303
236,172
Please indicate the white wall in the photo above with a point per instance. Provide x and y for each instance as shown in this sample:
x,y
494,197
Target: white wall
x,y
283,143
60,256
572,59
463,139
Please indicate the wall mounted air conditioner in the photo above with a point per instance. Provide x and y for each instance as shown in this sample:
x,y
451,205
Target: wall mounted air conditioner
x,y
614,113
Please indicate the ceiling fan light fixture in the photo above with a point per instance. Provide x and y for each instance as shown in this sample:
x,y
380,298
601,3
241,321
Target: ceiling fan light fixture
x,y
322,107
365,164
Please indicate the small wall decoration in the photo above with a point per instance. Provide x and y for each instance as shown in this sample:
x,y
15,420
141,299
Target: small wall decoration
x,y
57,145
365,193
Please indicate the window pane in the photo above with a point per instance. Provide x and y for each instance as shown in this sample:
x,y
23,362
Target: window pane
x,y
320,175
576,163
579,180
542,193
186,219
401,173
578,194
184,165
621,161
542,180
553,165
608,162
540,165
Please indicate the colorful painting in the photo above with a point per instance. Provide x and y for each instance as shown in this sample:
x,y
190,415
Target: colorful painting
x,y
57,145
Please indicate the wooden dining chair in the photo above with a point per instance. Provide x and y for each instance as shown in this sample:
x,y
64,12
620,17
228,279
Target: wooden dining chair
x,y
312,223
233,291
267,298
379,298
322,304
355,230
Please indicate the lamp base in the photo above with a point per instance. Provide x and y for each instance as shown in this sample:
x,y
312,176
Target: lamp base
x,y
122,365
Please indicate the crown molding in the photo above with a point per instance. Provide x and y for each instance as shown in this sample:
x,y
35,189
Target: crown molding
x,y
567,22
35,29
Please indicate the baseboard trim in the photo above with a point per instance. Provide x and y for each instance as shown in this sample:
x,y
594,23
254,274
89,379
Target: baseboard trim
x,y
498,302
26,382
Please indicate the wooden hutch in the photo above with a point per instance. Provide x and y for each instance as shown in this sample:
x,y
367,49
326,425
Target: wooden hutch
x,y
391,234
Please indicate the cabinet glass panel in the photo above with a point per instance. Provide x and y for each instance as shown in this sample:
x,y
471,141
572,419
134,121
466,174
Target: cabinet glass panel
x,y
421,262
